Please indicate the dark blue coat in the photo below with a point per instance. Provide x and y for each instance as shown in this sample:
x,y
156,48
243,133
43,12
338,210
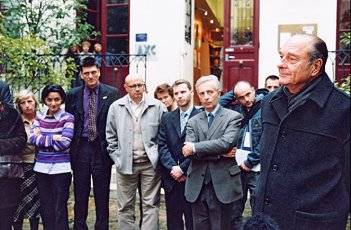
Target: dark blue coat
x,y
170,143
305,159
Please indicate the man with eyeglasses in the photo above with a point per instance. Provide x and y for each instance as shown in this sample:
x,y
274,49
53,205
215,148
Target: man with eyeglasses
x,y
131,133
89,104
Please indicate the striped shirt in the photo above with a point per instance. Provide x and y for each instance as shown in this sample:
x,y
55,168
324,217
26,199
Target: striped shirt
x,y
53,157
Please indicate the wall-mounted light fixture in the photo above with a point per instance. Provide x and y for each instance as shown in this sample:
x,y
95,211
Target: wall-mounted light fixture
x,y
205,12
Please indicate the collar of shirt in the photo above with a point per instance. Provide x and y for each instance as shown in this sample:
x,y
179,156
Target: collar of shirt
x,y
57,115
136,108
213,112
188,112
87,90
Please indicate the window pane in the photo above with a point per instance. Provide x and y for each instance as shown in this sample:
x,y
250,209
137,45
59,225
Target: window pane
x,y
117,20
117,45
345,15
92,19
116,1
241,22
92,4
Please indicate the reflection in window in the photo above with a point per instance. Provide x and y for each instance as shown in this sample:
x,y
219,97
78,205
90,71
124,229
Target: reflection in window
x,y
241,22
117,20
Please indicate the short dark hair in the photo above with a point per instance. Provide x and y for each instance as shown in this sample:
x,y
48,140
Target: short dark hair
x,y
162,89
53,88
88,61
182,81
271,77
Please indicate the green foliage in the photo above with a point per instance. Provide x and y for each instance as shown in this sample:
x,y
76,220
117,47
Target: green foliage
x,y
55,22
345,84
33,34
345,39
25,64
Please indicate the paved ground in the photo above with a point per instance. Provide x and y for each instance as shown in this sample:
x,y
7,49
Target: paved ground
x,y
114,213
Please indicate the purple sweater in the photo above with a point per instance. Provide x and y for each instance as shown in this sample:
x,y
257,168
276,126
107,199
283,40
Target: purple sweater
x,y
53,157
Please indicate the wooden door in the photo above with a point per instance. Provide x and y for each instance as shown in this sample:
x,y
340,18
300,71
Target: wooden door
x,y
241,42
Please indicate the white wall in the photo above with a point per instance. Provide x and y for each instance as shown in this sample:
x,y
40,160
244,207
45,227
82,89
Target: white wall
x,y
163,21
277,12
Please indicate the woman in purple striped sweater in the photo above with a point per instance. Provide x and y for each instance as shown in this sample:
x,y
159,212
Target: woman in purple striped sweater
x,y
52,133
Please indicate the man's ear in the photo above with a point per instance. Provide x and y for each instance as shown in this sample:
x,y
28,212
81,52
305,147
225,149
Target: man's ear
x,y
317,65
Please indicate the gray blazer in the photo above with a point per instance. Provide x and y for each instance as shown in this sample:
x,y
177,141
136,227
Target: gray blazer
x,y
119,132
210,144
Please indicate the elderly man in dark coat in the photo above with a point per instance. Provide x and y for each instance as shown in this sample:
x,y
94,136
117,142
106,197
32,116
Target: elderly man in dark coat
x,y
305,145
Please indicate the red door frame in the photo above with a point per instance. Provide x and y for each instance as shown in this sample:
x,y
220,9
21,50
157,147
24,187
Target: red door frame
x,y
246,57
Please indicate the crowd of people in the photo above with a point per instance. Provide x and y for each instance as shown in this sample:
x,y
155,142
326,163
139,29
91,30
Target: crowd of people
x,y
287,145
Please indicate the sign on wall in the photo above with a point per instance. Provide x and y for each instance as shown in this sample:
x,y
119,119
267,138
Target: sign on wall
x,y
286,31
148,49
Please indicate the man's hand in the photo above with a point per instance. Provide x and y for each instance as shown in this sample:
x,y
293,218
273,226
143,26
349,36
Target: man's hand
x,y
245,168
231,153
176,172
182,178
187,149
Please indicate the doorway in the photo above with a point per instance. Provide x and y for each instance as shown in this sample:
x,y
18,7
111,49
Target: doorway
x,y
241,42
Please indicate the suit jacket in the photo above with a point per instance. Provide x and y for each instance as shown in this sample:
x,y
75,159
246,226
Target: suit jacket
x,y
74,105
210,144
170,143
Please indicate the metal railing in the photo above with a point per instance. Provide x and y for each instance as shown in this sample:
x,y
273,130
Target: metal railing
x,y
113,67
340,61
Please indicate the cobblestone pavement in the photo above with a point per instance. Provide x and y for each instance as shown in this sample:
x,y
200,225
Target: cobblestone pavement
x,y
114,212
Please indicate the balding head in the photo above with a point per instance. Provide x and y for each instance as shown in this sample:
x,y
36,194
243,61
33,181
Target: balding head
x,y
135,87
245,93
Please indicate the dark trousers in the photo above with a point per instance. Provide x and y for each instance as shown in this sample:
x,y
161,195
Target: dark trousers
x,y
6,218
33,222
209,212
249,181
90,163
53,194
176,206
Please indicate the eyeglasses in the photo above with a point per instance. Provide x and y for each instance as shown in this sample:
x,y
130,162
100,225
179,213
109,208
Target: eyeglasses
x,y
87,74
136,85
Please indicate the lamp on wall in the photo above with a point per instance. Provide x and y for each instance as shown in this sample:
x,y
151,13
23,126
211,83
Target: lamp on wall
x,y
205,12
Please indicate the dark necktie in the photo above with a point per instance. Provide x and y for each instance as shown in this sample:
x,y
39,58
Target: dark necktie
x,y
210,119
207,179
92,116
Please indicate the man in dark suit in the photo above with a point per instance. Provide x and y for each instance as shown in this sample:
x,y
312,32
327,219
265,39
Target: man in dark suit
x,y
213,182
89,156
5,93
171,139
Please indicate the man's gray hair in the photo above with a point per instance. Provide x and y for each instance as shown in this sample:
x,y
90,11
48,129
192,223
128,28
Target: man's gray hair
x,y
212,78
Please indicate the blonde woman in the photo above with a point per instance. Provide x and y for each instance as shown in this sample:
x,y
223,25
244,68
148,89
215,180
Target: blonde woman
x,y
27,105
